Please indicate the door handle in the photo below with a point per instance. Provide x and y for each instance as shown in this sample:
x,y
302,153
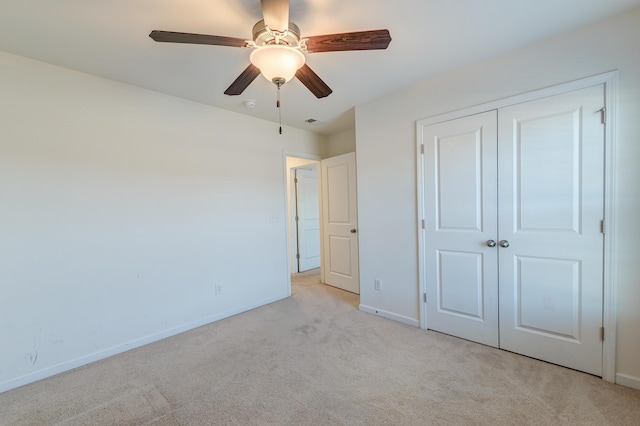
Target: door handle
x,y
491,243
504,243
353,231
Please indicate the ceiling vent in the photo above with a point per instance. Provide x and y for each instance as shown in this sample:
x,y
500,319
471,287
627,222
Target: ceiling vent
x,y
314,122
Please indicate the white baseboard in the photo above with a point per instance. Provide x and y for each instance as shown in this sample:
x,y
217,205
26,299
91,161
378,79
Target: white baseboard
x,y
628,381
390,315
115,350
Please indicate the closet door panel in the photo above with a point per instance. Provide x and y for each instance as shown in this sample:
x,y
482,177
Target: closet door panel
x,y
551,203
460,210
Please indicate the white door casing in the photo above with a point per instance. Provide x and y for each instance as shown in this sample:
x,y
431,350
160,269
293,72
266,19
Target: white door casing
x,y
460,217
340,223
551,204
307,218
551,196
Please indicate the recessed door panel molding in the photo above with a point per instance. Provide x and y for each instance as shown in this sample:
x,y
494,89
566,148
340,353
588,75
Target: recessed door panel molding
x,y
340,259
338,205
460,284
538,174
551,287
460,210
340,223
459,176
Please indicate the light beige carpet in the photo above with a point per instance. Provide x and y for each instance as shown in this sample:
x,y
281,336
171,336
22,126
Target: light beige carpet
x,y
314,359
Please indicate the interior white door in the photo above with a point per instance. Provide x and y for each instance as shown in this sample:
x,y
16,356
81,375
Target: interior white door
x,y
460,184
340,223
550,211
308,217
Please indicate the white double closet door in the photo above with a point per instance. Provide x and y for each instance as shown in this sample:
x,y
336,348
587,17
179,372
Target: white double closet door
x,y
513,204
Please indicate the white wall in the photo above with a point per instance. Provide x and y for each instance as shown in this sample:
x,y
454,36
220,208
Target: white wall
x,y
121,209
340,143
387,164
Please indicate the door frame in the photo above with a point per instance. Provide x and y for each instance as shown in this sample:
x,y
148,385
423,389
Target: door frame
x,y
610,81
286,176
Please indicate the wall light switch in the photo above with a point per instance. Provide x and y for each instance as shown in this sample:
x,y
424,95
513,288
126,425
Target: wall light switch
x,y
377,285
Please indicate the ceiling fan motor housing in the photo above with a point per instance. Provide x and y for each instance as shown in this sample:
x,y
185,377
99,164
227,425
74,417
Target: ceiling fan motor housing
x,y
263,36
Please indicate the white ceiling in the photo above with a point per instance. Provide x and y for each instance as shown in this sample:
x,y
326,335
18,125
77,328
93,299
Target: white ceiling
x,y
109,38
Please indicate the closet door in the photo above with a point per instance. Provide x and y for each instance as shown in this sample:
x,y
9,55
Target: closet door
x,y
551,204
461,270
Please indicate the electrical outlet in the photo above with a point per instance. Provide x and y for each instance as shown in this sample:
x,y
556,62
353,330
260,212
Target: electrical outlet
x,y
218,288
377,285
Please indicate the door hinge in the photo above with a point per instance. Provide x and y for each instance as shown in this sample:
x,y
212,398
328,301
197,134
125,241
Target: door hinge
x,y
421,148
602,333
298,256
602,226
424,297
297,218
423,224
603,115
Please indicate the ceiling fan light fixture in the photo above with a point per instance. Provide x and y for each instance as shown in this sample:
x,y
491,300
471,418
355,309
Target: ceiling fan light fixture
x,y
277,61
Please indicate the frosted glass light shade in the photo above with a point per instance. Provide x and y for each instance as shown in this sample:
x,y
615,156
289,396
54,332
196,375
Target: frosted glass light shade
x,y
277,61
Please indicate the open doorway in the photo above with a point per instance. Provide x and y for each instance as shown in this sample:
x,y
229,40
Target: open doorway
x,y
327,214
303,201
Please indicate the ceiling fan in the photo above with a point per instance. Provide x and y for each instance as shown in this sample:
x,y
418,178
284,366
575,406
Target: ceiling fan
x,y
279,48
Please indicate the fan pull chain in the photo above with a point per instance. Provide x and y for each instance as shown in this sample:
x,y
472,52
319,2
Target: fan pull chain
x,y
279,111
279,82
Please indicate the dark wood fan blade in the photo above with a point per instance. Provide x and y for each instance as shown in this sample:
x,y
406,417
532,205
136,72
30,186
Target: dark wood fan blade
x,y
361,40
172,37
314,83
243,81
276,14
